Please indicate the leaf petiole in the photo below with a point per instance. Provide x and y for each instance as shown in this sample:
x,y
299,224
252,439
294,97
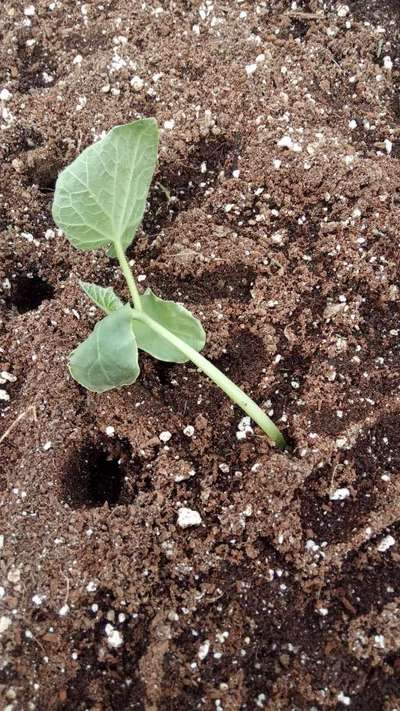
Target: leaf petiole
x,y
130,279
230,389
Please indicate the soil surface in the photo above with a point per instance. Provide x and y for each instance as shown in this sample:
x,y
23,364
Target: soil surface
x,y
274,216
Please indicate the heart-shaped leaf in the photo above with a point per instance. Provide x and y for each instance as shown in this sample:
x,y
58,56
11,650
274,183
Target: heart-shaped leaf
x,y
100,198
105,298
109,356
176,319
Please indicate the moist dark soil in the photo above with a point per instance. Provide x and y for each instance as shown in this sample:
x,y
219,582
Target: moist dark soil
x,y
274,216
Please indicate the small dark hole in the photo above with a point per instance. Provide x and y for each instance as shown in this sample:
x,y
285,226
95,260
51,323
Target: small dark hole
x,y
104,481
147,484
47,184
299,29
27,293
165,372
43,164
94,480
45,174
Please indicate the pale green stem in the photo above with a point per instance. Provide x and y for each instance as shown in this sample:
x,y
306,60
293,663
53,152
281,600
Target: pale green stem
x,y
232,391
130,280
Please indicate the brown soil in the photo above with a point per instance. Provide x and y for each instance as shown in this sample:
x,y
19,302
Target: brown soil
x,y
286,596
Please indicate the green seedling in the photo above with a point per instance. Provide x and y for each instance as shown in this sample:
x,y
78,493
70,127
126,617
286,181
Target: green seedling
x,y
99,203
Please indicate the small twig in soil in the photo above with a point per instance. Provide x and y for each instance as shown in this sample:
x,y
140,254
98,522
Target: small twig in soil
x,y
67,590
335,468
31,408
306,15
275,263
165,190
337,64
38,642
379,48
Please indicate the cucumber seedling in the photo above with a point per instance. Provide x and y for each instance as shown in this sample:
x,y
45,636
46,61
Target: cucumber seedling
x,y
99,202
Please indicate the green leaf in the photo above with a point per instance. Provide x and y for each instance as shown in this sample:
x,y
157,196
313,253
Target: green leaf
x,y
100,198
109,356
176,319
105,298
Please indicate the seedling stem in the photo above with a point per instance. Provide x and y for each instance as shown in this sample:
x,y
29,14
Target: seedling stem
x,y
230,389
130,279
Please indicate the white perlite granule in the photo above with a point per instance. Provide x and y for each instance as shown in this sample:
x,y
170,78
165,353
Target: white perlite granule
x,y
385,544
114,638
188,517
340,494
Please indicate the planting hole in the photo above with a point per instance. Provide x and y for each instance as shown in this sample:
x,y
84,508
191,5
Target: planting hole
x,y
28,292
94,479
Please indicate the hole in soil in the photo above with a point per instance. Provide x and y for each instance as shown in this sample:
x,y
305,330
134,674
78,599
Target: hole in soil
x,y
43,166
94,479
47,182
28,292
165,372
299,28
